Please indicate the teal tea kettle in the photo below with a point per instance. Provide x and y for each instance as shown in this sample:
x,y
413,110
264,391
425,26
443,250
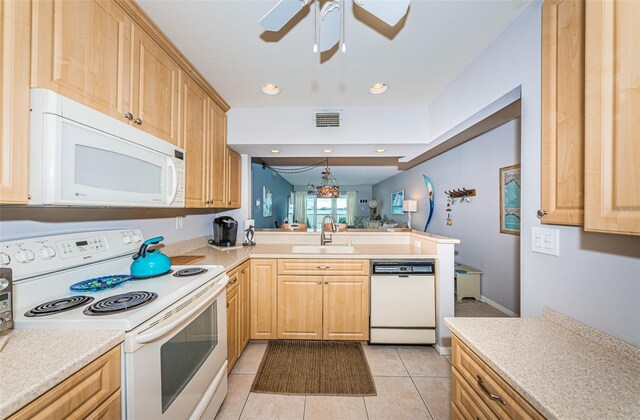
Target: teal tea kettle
x,y
150,263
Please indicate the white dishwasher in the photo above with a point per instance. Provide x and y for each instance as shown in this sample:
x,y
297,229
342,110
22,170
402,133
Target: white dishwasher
x,y
403,304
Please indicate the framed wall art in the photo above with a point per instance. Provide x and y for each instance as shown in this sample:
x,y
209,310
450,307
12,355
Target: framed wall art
x,y
267,202
397,198
510,199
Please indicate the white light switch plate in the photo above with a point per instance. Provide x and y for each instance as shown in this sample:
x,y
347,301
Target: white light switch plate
x,y
545,241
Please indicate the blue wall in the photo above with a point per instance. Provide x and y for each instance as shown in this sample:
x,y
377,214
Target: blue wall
x,y
280,188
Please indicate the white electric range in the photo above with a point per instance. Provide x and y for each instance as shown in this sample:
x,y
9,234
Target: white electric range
x,y
175,349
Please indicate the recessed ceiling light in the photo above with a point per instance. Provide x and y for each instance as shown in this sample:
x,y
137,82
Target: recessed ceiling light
x,y
327,150
270,89
381,150
275,151
378,88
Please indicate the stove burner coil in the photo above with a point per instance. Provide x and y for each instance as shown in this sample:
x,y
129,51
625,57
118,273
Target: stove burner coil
x,y
120,303
186,272
59,305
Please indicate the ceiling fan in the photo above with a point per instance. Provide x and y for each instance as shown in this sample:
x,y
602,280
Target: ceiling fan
x,y
330,27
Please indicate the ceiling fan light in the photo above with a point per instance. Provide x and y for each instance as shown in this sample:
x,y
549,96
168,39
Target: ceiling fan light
x,y
378,88
270,89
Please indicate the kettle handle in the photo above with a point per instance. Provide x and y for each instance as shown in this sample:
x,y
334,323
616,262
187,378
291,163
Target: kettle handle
x,y
143,249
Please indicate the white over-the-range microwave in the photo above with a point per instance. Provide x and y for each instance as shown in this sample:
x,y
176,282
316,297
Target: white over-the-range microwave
x,y
82,157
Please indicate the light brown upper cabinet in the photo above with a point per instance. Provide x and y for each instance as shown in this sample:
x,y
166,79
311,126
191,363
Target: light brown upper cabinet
x,y
562,186
155,78
15,16
612,164
233,179
82,50
194,131
217,156
92,52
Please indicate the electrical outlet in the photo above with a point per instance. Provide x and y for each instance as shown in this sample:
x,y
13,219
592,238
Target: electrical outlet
x,y
179,222
545,241
417,244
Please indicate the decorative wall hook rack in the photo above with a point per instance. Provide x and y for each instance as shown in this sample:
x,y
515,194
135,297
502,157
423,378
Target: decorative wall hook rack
x,y
461,193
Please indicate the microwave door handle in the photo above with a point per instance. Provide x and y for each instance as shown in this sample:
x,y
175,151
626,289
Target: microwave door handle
x,y
174,182
156,333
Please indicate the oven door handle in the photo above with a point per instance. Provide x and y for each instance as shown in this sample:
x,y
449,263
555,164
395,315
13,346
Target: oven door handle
x,y
161,331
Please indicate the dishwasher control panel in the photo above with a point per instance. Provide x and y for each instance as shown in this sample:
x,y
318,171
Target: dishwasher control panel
x,y
403,267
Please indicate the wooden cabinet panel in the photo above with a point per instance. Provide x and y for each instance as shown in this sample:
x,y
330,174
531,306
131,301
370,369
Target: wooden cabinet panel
x,y
195,138
155,80
563,43
346,308
111,409
612,165
232,325
81,394
217,155
81,49
478,374
15,16
245,320
323,267
300,307
263,293
467,402
233,179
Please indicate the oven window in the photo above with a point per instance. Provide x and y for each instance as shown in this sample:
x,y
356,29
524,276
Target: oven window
x,y
182,356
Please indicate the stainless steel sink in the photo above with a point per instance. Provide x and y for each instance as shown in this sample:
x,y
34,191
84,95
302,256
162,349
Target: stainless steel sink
x,y
316,249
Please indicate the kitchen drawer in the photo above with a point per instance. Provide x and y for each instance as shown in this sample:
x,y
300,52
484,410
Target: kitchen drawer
x,y
507,403
81,394
468,403
325,267
233,280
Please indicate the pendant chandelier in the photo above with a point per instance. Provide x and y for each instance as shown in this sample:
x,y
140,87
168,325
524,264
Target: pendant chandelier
x,y
328,187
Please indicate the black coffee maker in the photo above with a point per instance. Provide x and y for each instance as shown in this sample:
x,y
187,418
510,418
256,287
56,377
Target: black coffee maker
x,y
225,230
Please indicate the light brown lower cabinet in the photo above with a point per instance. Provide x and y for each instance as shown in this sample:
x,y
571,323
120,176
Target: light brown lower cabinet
x,y
237,312
263,293
91,393
477,391
323,307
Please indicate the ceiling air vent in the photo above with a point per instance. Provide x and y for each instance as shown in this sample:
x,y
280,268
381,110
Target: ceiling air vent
x,y
327,119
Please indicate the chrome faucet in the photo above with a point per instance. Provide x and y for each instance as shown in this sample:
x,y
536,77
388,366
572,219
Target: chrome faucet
x,y
323,237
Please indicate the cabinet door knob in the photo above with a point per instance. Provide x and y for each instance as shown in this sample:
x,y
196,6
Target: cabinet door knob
x,y
319,282
326,282
128,116
541,213
229,202
138,121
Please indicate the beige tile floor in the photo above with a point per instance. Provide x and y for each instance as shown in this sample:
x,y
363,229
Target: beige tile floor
x,y
412,382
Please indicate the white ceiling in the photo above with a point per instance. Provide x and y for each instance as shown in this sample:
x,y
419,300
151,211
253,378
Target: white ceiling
x,y
417,58
345,175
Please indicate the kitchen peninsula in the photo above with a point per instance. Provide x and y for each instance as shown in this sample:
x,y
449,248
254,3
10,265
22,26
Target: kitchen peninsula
x,y
359,245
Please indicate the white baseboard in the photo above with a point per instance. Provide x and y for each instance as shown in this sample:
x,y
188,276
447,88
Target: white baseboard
x,y
498,306
442,351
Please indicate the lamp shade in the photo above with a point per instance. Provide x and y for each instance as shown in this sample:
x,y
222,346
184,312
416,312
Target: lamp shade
x,y
410,206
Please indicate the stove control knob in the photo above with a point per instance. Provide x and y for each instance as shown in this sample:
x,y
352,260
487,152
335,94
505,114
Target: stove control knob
x,y
25,256
4,283
47,252
136,238
5,259
126,240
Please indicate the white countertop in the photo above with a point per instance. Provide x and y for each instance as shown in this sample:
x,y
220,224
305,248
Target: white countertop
x,y
565,369
34,361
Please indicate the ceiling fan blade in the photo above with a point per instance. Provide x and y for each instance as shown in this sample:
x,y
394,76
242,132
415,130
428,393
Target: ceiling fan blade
x,y
281,13
388,11
329,25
